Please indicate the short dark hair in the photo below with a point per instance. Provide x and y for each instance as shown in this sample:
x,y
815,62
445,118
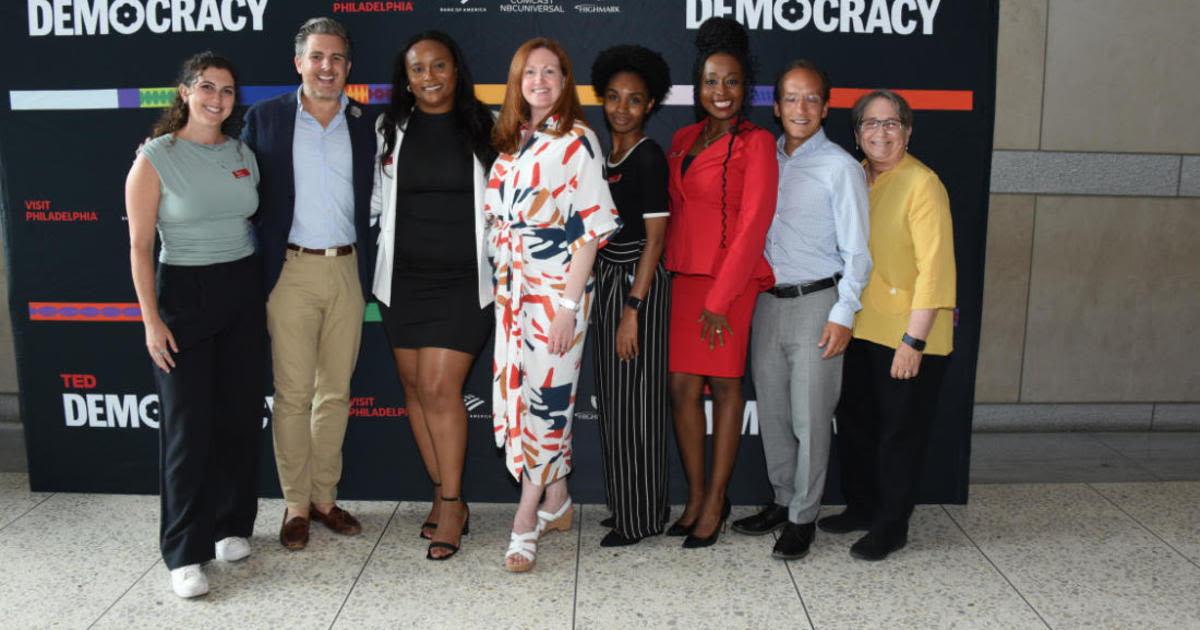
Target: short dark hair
x,y
796,64
645,63
323,26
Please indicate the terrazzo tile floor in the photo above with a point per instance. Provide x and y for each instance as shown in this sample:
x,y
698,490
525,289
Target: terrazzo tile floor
x,y
1102,531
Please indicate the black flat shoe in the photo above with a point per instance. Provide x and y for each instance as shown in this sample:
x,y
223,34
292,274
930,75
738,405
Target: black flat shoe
x,y
794,542
844,523
617,539
695,542
874,547
769,519
609,522
437,544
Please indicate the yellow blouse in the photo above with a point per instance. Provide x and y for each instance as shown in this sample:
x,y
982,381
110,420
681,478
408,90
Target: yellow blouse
x,y
912,254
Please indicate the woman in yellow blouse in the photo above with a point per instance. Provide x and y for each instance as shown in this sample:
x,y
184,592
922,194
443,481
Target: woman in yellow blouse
x,y
897,357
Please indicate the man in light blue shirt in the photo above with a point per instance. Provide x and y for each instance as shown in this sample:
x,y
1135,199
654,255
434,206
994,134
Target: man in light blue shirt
x,y
316,151
817,247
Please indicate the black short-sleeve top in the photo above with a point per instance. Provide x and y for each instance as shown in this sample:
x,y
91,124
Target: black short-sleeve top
x,y
638,183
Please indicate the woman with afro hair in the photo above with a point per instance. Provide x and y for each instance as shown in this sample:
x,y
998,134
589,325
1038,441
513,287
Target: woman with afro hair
x,y
633,299
723,179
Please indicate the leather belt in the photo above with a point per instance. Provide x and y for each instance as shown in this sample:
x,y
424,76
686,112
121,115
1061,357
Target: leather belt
x,y
344,250
796,290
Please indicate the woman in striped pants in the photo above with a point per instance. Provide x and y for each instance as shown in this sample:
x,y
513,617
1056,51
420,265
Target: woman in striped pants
x,y
633,299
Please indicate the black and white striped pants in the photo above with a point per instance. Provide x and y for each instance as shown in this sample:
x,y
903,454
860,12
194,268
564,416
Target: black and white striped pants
x,y
634,401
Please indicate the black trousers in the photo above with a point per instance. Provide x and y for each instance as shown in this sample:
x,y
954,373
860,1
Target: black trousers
x,y
634,400
211,405
883,429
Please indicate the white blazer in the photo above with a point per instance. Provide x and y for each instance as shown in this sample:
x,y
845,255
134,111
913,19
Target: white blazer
x,y
383,206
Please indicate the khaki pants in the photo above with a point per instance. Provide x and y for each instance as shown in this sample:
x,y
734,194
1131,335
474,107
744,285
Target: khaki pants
x,y
314,315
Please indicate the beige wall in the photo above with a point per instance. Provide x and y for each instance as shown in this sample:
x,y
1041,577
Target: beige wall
x,y
1094,298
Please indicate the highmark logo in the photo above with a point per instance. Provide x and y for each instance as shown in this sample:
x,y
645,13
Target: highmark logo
x,y
898,17
126,17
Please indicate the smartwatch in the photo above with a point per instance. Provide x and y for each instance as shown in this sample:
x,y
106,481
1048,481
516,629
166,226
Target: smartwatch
x,y
634,303
569,304
917,344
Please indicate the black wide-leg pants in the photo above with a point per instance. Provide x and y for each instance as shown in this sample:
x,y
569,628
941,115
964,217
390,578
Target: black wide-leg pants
x,y
883,427
211,405
634,400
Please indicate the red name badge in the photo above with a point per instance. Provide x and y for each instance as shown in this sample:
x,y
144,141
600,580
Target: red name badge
x,y
241,172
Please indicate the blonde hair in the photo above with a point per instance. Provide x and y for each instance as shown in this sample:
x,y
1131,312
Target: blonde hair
x,y
506,134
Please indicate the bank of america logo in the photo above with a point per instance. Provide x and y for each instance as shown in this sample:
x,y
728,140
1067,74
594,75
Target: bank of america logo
x,y
472,401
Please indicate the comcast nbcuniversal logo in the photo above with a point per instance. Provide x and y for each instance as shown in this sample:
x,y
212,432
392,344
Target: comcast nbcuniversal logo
x,y
126,17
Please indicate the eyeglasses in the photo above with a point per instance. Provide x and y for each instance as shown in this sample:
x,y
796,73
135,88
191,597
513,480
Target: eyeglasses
x,y
888,124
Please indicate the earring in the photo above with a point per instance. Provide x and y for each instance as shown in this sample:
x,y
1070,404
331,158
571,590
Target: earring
x,y
408,88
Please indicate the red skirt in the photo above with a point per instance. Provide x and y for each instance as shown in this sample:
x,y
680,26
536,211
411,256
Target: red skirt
x,y
690,353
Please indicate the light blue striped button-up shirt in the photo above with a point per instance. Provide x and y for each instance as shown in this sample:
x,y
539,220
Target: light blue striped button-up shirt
x,y
323,167
822,217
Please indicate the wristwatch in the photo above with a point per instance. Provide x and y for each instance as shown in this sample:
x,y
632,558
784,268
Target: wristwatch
x,y
569,304
917,344
634,303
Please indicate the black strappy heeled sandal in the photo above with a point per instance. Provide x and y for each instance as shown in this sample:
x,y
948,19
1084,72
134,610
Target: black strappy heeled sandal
x,y
428,524
466,529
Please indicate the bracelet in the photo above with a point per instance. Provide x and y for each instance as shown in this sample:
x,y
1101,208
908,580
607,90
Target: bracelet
x,y
569,304
916,344
634,303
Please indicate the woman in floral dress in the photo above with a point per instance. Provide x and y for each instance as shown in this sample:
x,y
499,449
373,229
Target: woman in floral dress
x,y
549,208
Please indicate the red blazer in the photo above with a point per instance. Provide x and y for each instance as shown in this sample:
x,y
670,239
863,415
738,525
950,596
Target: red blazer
x,y
694,230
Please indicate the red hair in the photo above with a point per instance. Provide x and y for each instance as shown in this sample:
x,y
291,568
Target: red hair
x,y
506,134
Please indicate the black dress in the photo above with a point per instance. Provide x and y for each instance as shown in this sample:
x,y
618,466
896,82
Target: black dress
x,y
435,299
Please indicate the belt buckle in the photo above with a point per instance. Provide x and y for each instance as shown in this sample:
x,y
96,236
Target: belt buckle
x,y
330,252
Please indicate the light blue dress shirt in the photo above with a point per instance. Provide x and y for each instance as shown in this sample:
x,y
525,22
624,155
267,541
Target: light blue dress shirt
x,y
821,222
323,168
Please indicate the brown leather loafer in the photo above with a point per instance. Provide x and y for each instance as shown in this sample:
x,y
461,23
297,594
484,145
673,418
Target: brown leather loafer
x,y
339,520
294,533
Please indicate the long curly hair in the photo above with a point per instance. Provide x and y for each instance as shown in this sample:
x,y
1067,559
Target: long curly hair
x,y
719,35
506,135
471,116
176,115
647,64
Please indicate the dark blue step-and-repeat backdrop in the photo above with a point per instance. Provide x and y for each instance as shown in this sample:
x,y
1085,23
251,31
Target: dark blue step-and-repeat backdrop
x,y
88,78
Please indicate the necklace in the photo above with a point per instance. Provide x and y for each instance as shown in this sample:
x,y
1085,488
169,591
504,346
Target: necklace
x,y
708,140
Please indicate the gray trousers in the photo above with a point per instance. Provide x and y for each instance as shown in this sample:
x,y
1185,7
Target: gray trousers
x,y
797,391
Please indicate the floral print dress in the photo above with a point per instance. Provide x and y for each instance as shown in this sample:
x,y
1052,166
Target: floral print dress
x,y
543,203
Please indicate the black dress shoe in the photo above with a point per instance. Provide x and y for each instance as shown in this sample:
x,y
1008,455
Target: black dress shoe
x,y
844,523
679,529
875,546
794,542
771,518
695,542
617,539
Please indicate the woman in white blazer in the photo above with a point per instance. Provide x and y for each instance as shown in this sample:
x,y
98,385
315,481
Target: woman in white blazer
x,y
433,280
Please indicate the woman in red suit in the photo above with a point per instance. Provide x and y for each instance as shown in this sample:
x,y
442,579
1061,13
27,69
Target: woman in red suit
x,y
723,179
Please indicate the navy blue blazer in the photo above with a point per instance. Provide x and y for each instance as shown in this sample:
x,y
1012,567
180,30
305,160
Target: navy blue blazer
x,y
269,130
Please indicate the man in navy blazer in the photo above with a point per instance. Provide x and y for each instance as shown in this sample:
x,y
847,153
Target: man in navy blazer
x,y
315,151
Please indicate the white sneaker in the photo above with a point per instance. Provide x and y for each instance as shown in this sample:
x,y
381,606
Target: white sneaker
x,y
189,581
232,549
